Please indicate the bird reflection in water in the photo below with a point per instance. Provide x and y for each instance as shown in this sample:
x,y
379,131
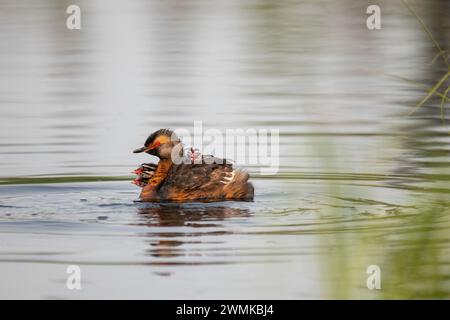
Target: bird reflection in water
x,y
178,221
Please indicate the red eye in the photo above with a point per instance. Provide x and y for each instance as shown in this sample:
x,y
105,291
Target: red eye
x,y
156,144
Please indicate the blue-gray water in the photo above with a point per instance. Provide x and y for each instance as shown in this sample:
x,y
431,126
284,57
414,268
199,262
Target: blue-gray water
x,y
360,183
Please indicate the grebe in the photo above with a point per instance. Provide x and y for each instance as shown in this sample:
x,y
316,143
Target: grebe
x,y
197,178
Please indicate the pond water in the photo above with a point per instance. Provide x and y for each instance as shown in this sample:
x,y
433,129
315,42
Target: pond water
x,y
360,181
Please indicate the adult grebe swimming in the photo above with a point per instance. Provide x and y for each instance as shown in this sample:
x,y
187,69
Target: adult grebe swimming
x,y
201,178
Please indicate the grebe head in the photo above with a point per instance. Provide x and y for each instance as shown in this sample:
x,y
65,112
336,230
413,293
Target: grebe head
x,y
161,144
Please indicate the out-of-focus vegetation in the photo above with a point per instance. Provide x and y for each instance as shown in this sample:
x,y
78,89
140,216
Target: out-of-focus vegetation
x,y
408,244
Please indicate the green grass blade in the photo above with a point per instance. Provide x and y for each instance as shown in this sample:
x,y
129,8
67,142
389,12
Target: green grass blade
x,y
427,31
431,92
443,105
438,55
